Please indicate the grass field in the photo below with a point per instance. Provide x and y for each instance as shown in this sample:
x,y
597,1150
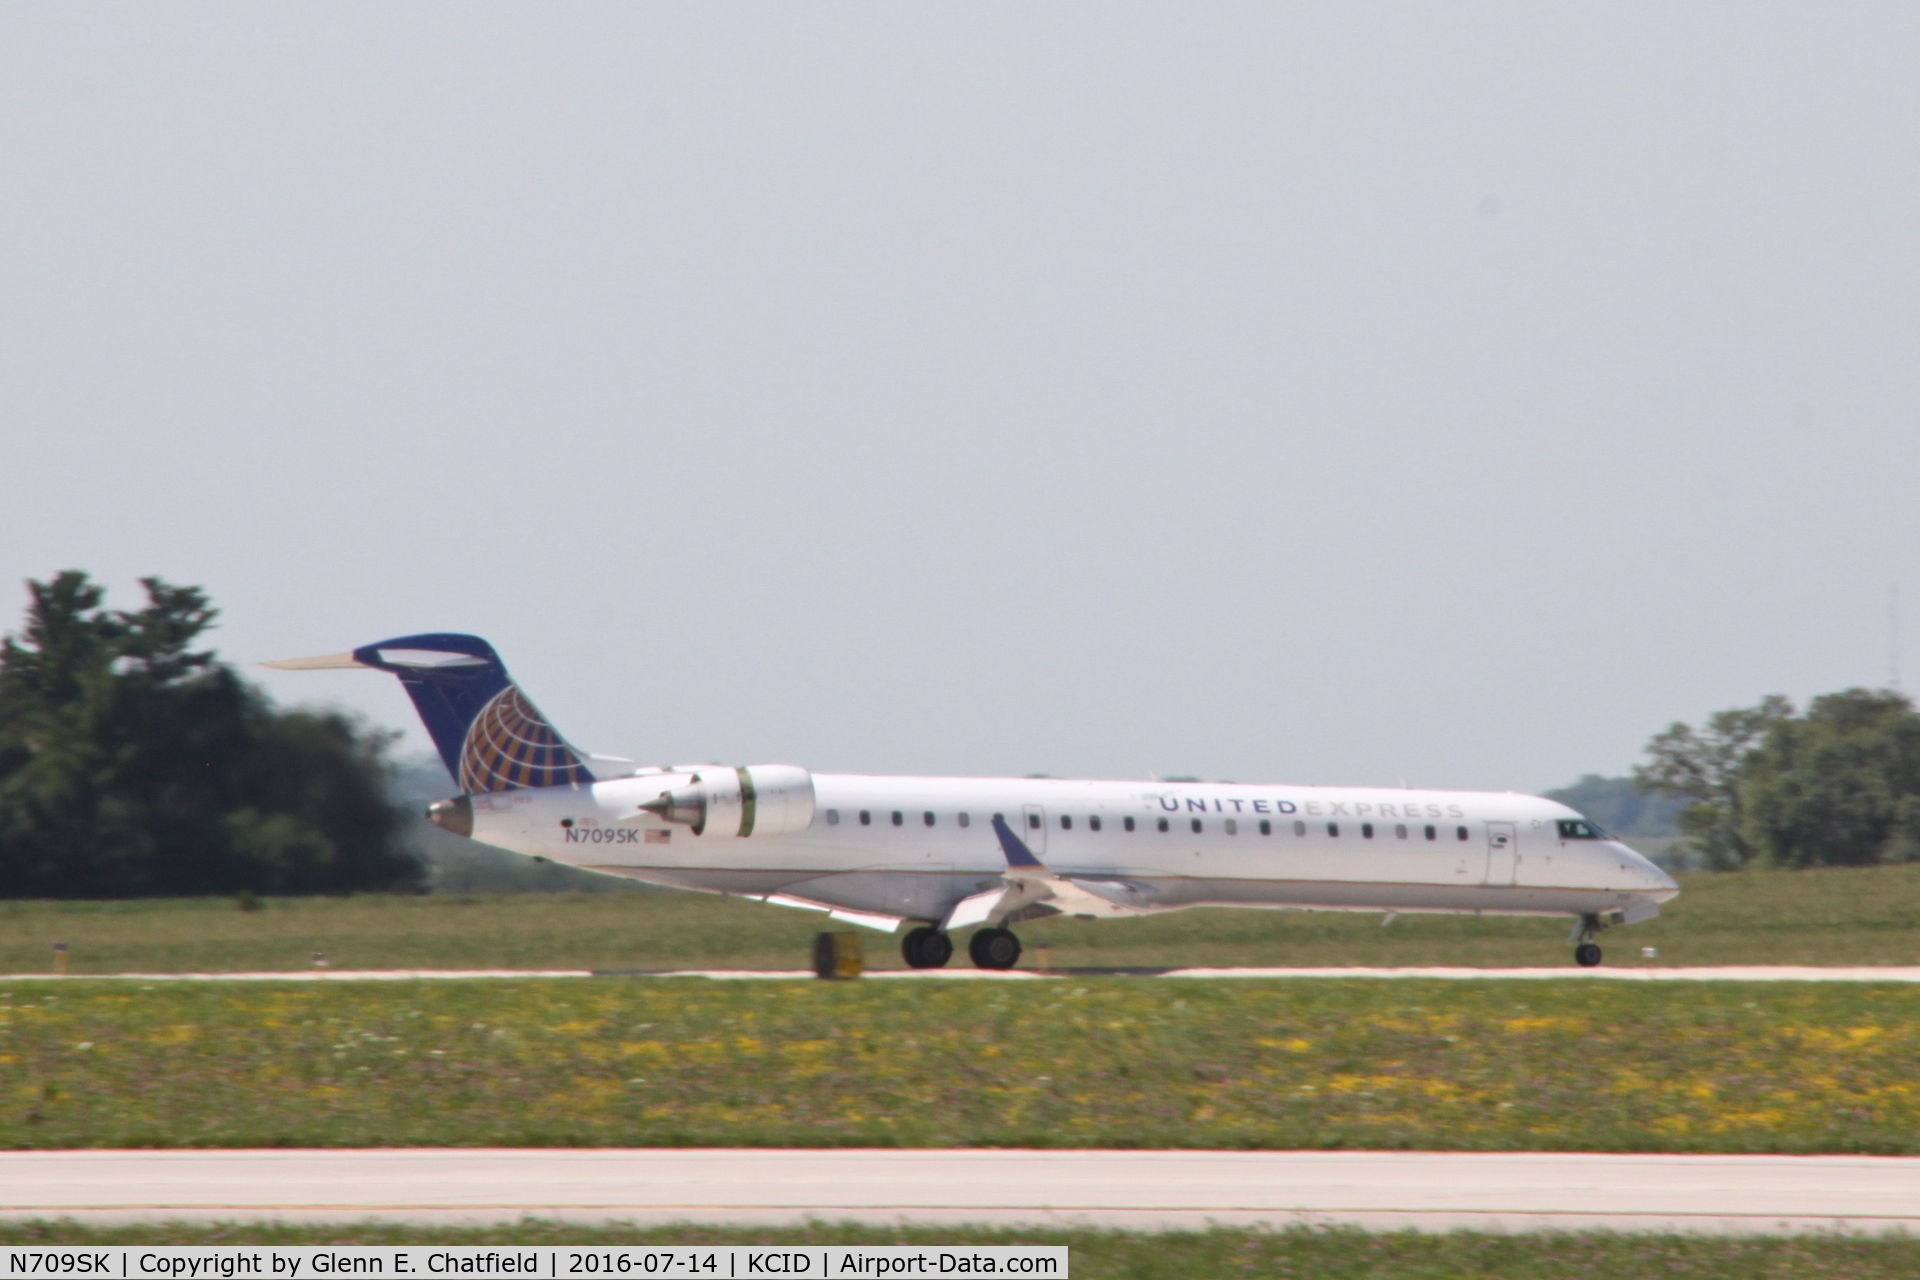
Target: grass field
x,y
1211,1255
1077,1063
1845,916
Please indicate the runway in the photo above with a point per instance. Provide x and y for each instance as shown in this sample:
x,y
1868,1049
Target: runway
x,y
1650,973
1141,1190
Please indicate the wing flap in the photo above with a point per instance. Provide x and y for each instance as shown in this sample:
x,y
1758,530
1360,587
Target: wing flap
x,y
865,919
1078,899
977,909
1028,881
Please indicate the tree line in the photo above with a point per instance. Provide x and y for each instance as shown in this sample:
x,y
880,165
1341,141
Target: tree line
x,y
133,764
1835,785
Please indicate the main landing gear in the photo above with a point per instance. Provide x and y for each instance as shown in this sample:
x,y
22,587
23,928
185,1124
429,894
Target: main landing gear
x,y
994,948
926,948
1587,953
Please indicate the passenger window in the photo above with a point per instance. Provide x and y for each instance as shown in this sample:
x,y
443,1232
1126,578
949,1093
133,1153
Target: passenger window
x,y
1233,828
1400,830
1333,829
1366,829
1066,822
927,817
833,817
1033,822
1127,823
1299,828
965,821
866,818
1093,823
1461,832
1579,829
1196,826
1266,826
1163,824
1432,832
898,818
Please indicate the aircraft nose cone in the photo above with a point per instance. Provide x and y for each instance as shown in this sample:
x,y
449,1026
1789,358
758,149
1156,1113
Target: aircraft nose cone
x,y
1654,880
1641,874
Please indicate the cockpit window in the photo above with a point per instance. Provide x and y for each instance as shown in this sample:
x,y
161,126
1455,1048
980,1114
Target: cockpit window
x,y
1579,829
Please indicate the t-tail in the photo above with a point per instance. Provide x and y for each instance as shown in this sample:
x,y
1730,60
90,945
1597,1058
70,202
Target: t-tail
x,y
490,736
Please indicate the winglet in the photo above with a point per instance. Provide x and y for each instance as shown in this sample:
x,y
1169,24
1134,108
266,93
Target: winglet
x,y
1018,855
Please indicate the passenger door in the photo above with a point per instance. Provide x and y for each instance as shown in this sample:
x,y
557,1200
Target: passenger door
x,y
1500,839
1033,828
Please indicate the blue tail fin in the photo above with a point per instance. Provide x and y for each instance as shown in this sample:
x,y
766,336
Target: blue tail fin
x,y
490,736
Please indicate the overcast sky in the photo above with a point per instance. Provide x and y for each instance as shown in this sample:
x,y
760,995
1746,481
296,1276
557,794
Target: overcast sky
x,y
1339,393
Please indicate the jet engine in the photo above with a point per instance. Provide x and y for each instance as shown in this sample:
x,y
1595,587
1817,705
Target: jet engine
x,y
759,799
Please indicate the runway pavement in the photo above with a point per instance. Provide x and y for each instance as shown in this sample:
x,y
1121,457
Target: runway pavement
x,y
1648,973
1132,1189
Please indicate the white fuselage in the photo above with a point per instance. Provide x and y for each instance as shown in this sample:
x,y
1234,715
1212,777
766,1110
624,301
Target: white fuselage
x,y
910,848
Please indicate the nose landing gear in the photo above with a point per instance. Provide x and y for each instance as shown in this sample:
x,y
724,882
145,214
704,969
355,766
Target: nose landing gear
x,y
1587,953
994,948
926,948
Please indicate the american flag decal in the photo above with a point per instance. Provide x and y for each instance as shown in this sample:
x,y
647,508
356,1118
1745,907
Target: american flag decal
x,y
658,837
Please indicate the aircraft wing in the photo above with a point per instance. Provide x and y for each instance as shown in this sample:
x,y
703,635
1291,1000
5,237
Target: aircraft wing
x,y
1027,881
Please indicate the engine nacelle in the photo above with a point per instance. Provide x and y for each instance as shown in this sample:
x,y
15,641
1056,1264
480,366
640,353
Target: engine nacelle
x,y
760,799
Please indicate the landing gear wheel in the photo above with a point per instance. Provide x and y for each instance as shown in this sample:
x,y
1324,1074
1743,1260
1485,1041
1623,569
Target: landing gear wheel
x,y
1587,955
994,948
926,948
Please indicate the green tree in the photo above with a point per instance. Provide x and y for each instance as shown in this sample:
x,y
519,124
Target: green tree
x,y
1839,786
1705,767
133,764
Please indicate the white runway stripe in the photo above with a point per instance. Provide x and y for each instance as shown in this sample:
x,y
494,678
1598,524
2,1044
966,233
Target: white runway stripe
x,y
1725,973
1722,973
1136,1189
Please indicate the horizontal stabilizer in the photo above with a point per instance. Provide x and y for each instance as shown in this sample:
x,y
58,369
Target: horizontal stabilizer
x,y
326,662
431,658
490,737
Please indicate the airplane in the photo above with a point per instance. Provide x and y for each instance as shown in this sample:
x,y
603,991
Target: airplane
x,y
940,855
